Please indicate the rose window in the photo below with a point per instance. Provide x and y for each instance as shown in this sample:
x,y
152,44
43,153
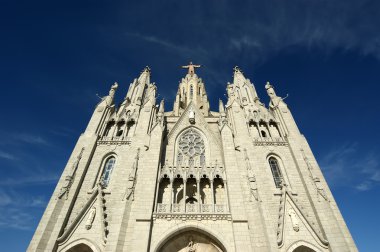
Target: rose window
x,y
191,144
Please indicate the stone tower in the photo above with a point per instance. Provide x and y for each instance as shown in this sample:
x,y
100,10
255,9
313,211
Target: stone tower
x,y
143,178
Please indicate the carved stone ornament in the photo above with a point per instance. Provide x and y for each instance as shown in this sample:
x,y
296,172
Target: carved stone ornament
x,y
294,219
191,116
129,194
69,179
90,218
192,246
191,147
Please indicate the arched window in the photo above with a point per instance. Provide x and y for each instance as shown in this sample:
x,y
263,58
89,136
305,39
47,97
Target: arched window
x,y
263,134
275,168
191,91
120,126
108,128
108,167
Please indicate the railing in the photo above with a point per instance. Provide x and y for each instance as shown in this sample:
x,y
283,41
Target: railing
x,y
219,208
163,208
269,141
191,208
207,208
177,208
114,140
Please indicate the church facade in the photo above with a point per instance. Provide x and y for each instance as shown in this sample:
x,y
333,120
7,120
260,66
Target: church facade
x,y
146,178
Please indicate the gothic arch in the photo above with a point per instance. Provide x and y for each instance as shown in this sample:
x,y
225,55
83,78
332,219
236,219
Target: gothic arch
x,y
187,229
82,244
102,164
303,246
206,141
282,167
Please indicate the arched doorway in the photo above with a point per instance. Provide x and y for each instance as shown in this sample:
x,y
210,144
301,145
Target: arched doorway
x,y
191,240
80,248
303,249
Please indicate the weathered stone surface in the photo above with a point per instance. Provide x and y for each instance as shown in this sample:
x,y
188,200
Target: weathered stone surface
x,y
144,179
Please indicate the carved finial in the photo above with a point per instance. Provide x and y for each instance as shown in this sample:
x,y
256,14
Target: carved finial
x,y
268,85
146,70
237,69
162,108
221,106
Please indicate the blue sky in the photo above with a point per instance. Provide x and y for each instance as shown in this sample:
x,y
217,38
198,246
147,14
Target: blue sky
x,y
55,56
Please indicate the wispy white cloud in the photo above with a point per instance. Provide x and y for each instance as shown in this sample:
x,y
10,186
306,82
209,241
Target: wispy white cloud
x,y
31,139
347,166
7,155
18,209
36,179
258,30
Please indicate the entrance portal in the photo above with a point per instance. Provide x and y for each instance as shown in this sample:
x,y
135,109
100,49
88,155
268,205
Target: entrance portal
x,y
80,248
191,241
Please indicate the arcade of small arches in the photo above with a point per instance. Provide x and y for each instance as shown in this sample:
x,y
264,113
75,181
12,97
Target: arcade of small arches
x,y
120,130
261,130
192,191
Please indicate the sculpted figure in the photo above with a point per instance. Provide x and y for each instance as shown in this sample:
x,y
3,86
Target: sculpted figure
x,y
109,98
192,247
275,100
90,218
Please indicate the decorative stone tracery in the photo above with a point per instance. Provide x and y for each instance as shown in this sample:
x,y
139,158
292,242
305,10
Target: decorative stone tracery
x,y
191,149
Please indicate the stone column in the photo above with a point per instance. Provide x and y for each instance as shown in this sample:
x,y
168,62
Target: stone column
x,y
213,196
171,195
225,195
184,194
199,195
125,131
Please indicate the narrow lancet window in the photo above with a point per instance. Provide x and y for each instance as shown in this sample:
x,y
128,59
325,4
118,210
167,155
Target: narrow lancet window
x,y
108,167
275,168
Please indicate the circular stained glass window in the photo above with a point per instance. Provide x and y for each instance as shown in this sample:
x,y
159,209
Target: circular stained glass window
x,y
191,143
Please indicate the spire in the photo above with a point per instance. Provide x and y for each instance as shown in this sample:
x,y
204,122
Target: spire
x,y
191,89
239,78
145,75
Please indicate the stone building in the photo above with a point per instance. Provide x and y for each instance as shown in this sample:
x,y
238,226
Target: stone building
x,y
146,178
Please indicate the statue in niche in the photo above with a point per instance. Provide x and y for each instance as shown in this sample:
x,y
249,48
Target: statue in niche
x,y
178,196
90,218
219,194
166,194
207,192
294,219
